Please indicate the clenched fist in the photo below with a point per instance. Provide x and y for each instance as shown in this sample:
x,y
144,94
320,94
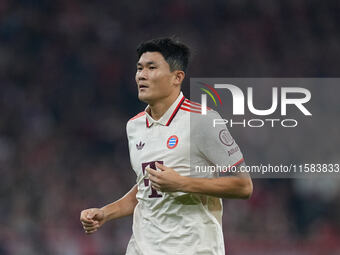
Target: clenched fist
x,y
92,219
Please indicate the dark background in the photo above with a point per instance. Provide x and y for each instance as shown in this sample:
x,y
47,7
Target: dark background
x,y
67,90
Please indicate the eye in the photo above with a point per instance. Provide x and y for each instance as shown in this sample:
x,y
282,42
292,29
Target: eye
x,y
152,67
139,68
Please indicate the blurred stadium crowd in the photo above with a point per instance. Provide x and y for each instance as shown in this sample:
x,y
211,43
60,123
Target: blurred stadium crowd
x,y
67,90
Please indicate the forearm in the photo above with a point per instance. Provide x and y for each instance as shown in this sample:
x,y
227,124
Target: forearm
x,y
122,207
224,187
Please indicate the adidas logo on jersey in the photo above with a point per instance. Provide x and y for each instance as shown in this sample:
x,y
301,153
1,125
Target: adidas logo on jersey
x,y
140,146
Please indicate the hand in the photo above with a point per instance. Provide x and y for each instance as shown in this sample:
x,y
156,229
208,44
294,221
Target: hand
x,y
165,180
92,219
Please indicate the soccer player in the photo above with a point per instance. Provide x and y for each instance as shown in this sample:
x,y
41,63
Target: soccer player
x,y
176,210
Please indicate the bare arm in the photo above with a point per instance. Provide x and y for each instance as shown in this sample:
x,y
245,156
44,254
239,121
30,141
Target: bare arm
x,y
122,207
224,187
168,179
92,219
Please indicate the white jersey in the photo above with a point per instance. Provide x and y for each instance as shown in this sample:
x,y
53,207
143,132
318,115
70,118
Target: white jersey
x,y
177,222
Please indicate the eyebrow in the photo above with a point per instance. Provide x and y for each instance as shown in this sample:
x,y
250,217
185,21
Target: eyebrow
x,y
147,63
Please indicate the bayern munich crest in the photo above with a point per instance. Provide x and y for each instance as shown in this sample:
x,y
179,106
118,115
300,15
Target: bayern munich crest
x,y
172,142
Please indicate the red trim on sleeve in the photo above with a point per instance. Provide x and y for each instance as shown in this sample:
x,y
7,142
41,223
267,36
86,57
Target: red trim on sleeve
x,y
192,107
189,110
193,103
239,162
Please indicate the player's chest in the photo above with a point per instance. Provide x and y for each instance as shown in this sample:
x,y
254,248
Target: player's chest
x,y
160,143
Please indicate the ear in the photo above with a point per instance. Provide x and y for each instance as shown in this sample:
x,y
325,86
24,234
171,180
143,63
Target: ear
x,y
178,77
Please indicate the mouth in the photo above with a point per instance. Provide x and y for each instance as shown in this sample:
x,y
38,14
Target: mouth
x,y
142,86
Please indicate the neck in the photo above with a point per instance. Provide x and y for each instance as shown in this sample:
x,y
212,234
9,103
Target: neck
x,y
157,109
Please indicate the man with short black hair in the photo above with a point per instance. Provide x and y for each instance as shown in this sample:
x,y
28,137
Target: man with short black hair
x,y
175,211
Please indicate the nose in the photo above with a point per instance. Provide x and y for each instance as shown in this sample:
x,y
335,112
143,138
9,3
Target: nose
x,y
142,75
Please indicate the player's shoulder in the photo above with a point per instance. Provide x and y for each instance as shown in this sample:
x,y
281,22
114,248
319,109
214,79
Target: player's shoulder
x,y
197,109
199,120
137,116
191,106
136,120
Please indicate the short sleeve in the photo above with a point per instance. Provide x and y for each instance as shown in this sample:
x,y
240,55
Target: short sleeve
x,y
215,143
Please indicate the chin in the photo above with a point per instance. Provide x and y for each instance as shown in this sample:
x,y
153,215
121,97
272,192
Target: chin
x,y
144,98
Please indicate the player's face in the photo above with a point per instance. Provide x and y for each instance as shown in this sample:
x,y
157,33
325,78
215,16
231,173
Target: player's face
x,y
154,78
